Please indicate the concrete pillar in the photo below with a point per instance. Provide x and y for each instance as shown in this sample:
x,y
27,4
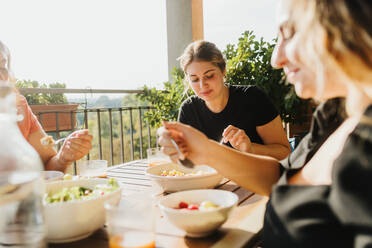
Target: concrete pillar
x,y
184,24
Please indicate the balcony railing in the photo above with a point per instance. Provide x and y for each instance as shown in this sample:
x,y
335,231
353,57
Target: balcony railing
x,y
120,134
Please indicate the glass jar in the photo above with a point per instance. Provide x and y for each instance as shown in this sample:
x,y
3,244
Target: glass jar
x,y
21,185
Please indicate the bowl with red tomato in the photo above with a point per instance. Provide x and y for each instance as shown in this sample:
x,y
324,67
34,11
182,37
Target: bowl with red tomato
x,y
198,212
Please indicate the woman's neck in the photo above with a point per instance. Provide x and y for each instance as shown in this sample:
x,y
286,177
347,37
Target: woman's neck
x,y
220,102
357,101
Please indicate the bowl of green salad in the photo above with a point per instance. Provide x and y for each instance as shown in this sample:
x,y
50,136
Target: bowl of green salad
x,y
74,209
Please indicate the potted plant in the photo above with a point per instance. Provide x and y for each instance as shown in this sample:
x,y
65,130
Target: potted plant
x,y
47,116
248,63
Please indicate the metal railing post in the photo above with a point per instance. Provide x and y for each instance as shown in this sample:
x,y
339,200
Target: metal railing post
x,y
99,133
140,131
131,133
111,140
148,133
86,125
121,135
57,129
73,129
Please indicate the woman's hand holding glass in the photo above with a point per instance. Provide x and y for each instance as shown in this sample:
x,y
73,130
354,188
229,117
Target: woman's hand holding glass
x,y
191,142
237,138
76,146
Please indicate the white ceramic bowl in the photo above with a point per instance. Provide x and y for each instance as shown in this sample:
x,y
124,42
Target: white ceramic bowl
x,y
75,220
198,223
178,183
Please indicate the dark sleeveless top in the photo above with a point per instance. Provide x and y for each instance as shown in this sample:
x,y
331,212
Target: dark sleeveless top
x,y
336,215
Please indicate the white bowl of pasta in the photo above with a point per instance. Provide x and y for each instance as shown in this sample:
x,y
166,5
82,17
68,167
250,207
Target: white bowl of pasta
x,y
171,177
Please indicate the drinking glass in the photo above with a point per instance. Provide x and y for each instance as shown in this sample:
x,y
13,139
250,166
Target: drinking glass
x,y
93,168
155,157
131,223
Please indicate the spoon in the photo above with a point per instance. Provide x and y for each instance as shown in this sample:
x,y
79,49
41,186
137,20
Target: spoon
x,y
183,162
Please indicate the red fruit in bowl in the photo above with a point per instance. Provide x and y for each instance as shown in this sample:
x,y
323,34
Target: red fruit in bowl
x,y
183,205
193,207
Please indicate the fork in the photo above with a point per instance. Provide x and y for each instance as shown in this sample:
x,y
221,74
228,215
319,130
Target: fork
x,y
56,142
183,162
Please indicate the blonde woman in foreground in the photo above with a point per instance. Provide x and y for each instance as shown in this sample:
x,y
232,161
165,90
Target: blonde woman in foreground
x,y
327,202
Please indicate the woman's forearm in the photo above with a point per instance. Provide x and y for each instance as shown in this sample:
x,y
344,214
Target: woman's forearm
x,y
277,151
254,172
55,163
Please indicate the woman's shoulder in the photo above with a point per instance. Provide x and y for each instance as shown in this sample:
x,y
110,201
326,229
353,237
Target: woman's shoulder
x,y
243,88
22,105
246,90
352,177
356,154
191,101
21,100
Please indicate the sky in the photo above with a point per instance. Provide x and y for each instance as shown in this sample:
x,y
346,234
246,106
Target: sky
x,y
113,44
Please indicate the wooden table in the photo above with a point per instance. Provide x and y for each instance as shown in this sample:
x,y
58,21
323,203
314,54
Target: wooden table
x,y
245,221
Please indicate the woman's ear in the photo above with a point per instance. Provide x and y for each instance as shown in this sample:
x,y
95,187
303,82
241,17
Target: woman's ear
x,y
224,75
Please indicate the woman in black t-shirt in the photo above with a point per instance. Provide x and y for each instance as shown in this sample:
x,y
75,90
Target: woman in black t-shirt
x,y
241,116
325,49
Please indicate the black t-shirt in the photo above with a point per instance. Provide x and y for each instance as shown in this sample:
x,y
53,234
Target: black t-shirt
x,y
247,108
336,215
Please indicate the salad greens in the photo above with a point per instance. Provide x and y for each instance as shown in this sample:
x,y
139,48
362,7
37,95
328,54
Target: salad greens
x,y
78,192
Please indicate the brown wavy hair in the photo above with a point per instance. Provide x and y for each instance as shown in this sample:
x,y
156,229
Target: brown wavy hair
x,y
202,51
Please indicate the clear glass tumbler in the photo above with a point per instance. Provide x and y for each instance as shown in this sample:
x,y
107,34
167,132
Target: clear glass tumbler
x,y
132,222
155,157
93,168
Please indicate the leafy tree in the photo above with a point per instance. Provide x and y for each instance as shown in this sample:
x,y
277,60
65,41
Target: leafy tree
x,y
42,98
133,100
248,63
165,102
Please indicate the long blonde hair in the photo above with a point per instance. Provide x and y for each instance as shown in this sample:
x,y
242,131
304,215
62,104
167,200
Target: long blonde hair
x,y
339,32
